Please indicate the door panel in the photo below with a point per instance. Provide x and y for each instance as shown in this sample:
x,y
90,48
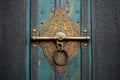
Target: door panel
x,y
79,68
15,42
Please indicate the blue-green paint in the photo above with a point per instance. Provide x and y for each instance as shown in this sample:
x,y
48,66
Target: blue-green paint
x,y
90,33
45,7
74,67
88,19
28,40
44,68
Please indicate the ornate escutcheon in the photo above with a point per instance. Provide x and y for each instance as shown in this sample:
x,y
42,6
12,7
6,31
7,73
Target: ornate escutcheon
x,y
58,39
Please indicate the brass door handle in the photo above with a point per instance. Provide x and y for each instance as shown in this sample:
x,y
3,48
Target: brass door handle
x,y
61,36
57,38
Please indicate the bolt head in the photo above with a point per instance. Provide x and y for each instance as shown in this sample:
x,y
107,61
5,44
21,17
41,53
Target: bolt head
x,y
85,30
34,45
85,44
34,30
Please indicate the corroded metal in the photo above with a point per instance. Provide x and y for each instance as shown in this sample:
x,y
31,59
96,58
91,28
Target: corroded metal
x,y
60,22
60,57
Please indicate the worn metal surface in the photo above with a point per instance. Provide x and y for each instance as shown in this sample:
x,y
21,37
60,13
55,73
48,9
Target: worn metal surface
x,y
60,22
40,64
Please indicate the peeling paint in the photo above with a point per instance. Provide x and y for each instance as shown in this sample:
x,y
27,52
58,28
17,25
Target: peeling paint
x,y
71,7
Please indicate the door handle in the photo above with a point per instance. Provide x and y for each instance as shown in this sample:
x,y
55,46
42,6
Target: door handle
x,y
65,38
61,36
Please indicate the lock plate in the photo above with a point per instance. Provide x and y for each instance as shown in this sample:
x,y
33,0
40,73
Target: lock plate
x,y
60,22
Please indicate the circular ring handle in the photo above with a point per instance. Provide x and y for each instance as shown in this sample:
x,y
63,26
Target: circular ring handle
x,y
57,52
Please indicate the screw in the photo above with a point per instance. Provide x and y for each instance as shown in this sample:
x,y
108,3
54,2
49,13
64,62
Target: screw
x,y
34,45
51,2
52,11
67,11
78,22
67,2
42,23
34,30
85,30
85,44
77,12
41,11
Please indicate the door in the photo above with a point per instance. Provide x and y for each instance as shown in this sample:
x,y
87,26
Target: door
x,y
60,18
22,58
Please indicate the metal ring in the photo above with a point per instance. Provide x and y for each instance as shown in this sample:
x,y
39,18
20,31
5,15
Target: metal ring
x,y
57,52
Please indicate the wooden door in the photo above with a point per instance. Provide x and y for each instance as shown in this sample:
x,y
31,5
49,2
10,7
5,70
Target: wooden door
x,y
79,67
23,59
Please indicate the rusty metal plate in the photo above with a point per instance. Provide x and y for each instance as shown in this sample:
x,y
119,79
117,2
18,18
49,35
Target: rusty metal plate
x,y
60,22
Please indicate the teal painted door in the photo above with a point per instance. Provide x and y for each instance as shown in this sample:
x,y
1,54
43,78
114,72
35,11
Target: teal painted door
x,y
38,66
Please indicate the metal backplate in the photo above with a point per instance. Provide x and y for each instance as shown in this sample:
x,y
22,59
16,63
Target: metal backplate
x,y
60,22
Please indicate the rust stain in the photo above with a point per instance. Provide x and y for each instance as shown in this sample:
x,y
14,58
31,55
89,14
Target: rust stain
x,y
60,22
60,69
